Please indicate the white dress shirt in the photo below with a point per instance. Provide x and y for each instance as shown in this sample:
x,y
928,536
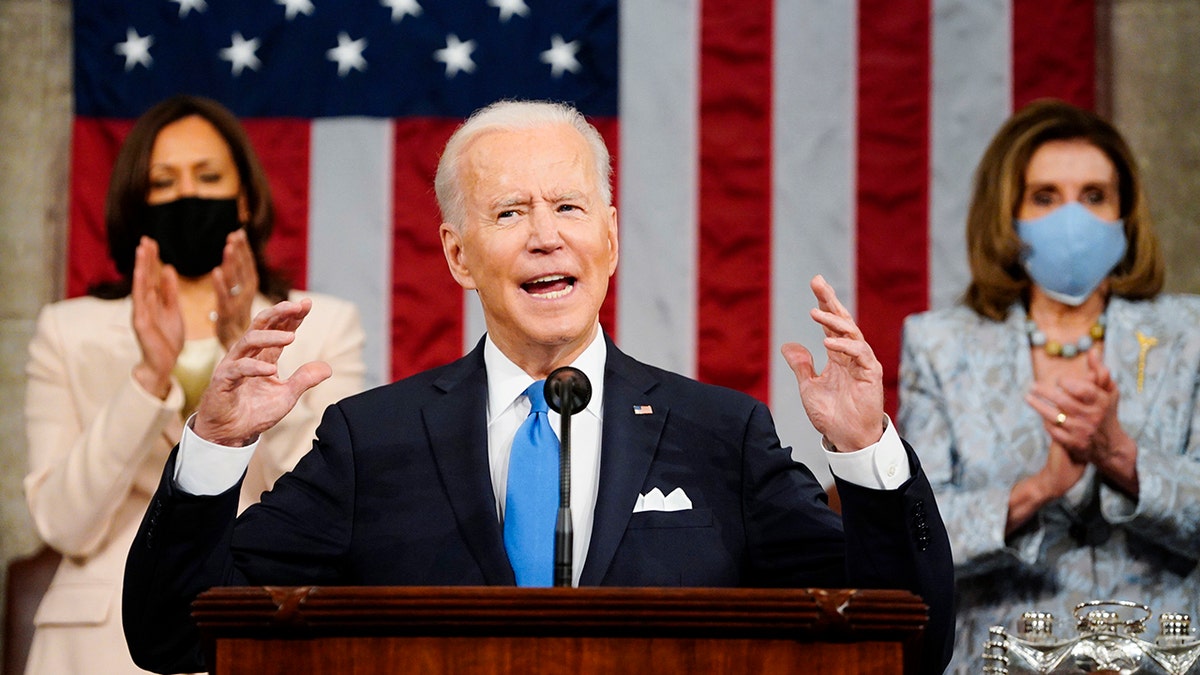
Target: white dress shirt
x,y
507,409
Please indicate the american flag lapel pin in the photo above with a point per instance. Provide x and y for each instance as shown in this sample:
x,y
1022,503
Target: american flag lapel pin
x,y
643,410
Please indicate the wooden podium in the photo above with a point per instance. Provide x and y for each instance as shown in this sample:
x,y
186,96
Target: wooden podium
x,y
553,631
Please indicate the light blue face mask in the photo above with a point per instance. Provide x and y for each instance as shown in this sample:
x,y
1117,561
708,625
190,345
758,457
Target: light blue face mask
x,y
1069,251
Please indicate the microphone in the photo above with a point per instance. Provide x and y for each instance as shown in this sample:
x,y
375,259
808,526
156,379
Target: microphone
x,y
567,392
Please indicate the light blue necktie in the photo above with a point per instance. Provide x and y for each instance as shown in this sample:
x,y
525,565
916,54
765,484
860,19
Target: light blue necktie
x,y
531,502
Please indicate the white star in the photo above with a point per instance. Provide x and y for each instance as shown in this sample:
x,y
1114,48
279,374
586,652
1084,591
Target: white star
x,y
561,56
402,8
509,7
240,54
295,7
135,49
348,54
186,6
456,55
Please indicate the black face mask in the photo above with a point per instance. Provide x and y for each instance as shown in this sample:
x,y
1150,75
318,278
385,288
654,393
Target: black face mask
x,y
191,232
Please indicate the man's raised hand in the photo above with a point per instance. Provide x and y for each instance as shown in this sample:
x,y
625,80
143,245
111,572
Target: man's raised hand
x,y
246,395
845,401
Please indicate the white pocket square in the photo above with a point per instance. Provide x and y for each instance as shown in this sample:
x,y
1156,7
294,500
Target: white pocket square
x,y
655,501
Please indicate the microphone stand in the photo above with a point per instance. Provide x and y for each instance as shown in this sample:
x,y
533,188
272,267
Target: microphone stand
x,y
564,528
567,392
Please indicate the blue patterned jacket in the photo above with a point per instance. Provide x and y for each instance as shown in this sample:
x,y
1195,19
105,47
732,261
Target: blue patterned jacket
x,y
962,380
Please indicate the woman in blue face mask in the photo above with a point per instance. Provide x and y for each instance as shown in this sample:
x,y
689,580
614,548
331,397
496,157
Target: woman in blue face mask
x,y
113,376
1057,407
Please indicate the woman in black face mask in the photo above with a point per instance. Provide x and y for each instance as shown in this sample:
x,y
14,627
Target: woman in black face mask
x,y
114,375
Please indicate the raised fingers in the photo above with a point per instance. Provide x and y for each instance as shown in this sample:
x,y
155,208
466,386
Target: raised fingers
x,y
1065,393
836,325
271,330
235,282
1100,372
237,257
244,366
1054,418
157,318
826,297
1065,419
856,350
308,376
830,313
799,359
286,315
1083,391
237,273
265,338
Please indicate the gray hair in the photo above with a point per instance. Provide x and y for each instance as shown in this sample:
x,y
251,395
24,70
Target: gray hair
x,y
511,115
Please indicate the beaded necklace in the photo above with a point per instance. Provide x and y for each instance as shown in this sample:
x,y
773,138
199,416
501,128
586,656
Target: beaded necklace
x,y
1070,350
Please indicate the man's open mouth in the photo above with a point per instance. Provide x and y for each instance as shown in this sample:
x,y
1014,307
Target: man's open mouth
x,y
550,286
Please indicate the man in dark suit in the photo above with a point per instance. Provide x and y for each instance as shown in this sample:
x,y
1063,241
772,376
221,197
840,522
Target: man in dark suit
x,y
675,483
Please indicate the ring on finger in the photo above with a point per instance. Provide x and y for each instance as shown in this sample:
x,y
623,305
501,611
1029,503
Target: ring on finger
x,y
1060,419
235,290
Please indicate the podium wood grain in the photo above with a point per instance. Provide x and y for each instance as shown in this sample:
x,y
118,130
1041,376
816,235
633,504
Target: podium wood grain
x,y
553,631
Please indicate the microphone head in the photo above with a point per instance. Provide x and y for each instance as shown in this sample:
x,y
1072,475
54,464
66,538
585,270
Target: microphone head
x,y
567,387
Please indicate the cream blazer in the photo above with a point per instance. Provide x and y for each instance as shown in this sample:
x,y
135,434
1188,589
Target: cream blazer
x,y
97,446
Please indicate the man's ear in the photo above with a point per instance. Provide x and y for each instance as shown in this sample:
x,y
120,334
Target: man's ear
x,y
614,241
452,247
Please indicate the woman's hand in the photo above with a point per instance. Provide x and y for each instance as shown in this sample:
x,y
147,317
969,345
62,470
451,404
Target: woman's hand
x,y
1114,452
157,319
1081,415
1031,493
235,282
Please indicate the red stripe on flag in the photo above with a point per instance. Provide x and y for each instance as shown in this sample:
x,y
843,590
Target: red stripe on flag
x,y
1054,51
94,146
610,130
283,145
427,304
892,176
733,283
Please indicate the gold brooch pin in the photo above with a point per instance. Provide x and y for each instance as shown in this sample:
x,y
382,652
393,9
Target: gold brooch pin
x,y
1145,342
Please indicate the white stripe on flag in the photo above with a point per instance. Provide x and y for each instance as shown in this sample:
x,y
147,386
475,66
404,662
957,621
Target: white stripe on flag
x,y
813,186
350,226
656,276
473,324
972,85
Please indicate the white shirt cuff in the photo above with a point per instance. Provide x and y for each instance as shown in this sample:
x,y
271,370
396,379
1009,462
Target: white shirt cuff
x,y
883,466
205,468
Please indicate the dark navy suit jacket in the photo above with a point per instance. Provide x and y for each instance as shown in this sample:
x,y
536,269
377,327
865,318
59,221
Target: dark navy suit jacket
x,y
397,491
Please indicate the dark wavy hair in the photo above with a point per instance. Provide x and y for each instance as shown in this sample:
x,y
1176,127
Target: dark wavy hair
x,y
993,248
125,208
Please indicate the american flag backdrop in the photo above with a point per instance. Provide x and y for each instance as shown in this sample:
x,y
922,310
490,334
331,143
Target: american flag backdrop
x,y
757,142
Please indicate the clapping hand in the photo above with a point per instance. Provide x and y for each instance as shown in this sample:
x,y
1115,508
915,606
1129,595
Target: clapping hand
x,y
157,318
845,401
235,282
1080,414
246,395
1075,409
